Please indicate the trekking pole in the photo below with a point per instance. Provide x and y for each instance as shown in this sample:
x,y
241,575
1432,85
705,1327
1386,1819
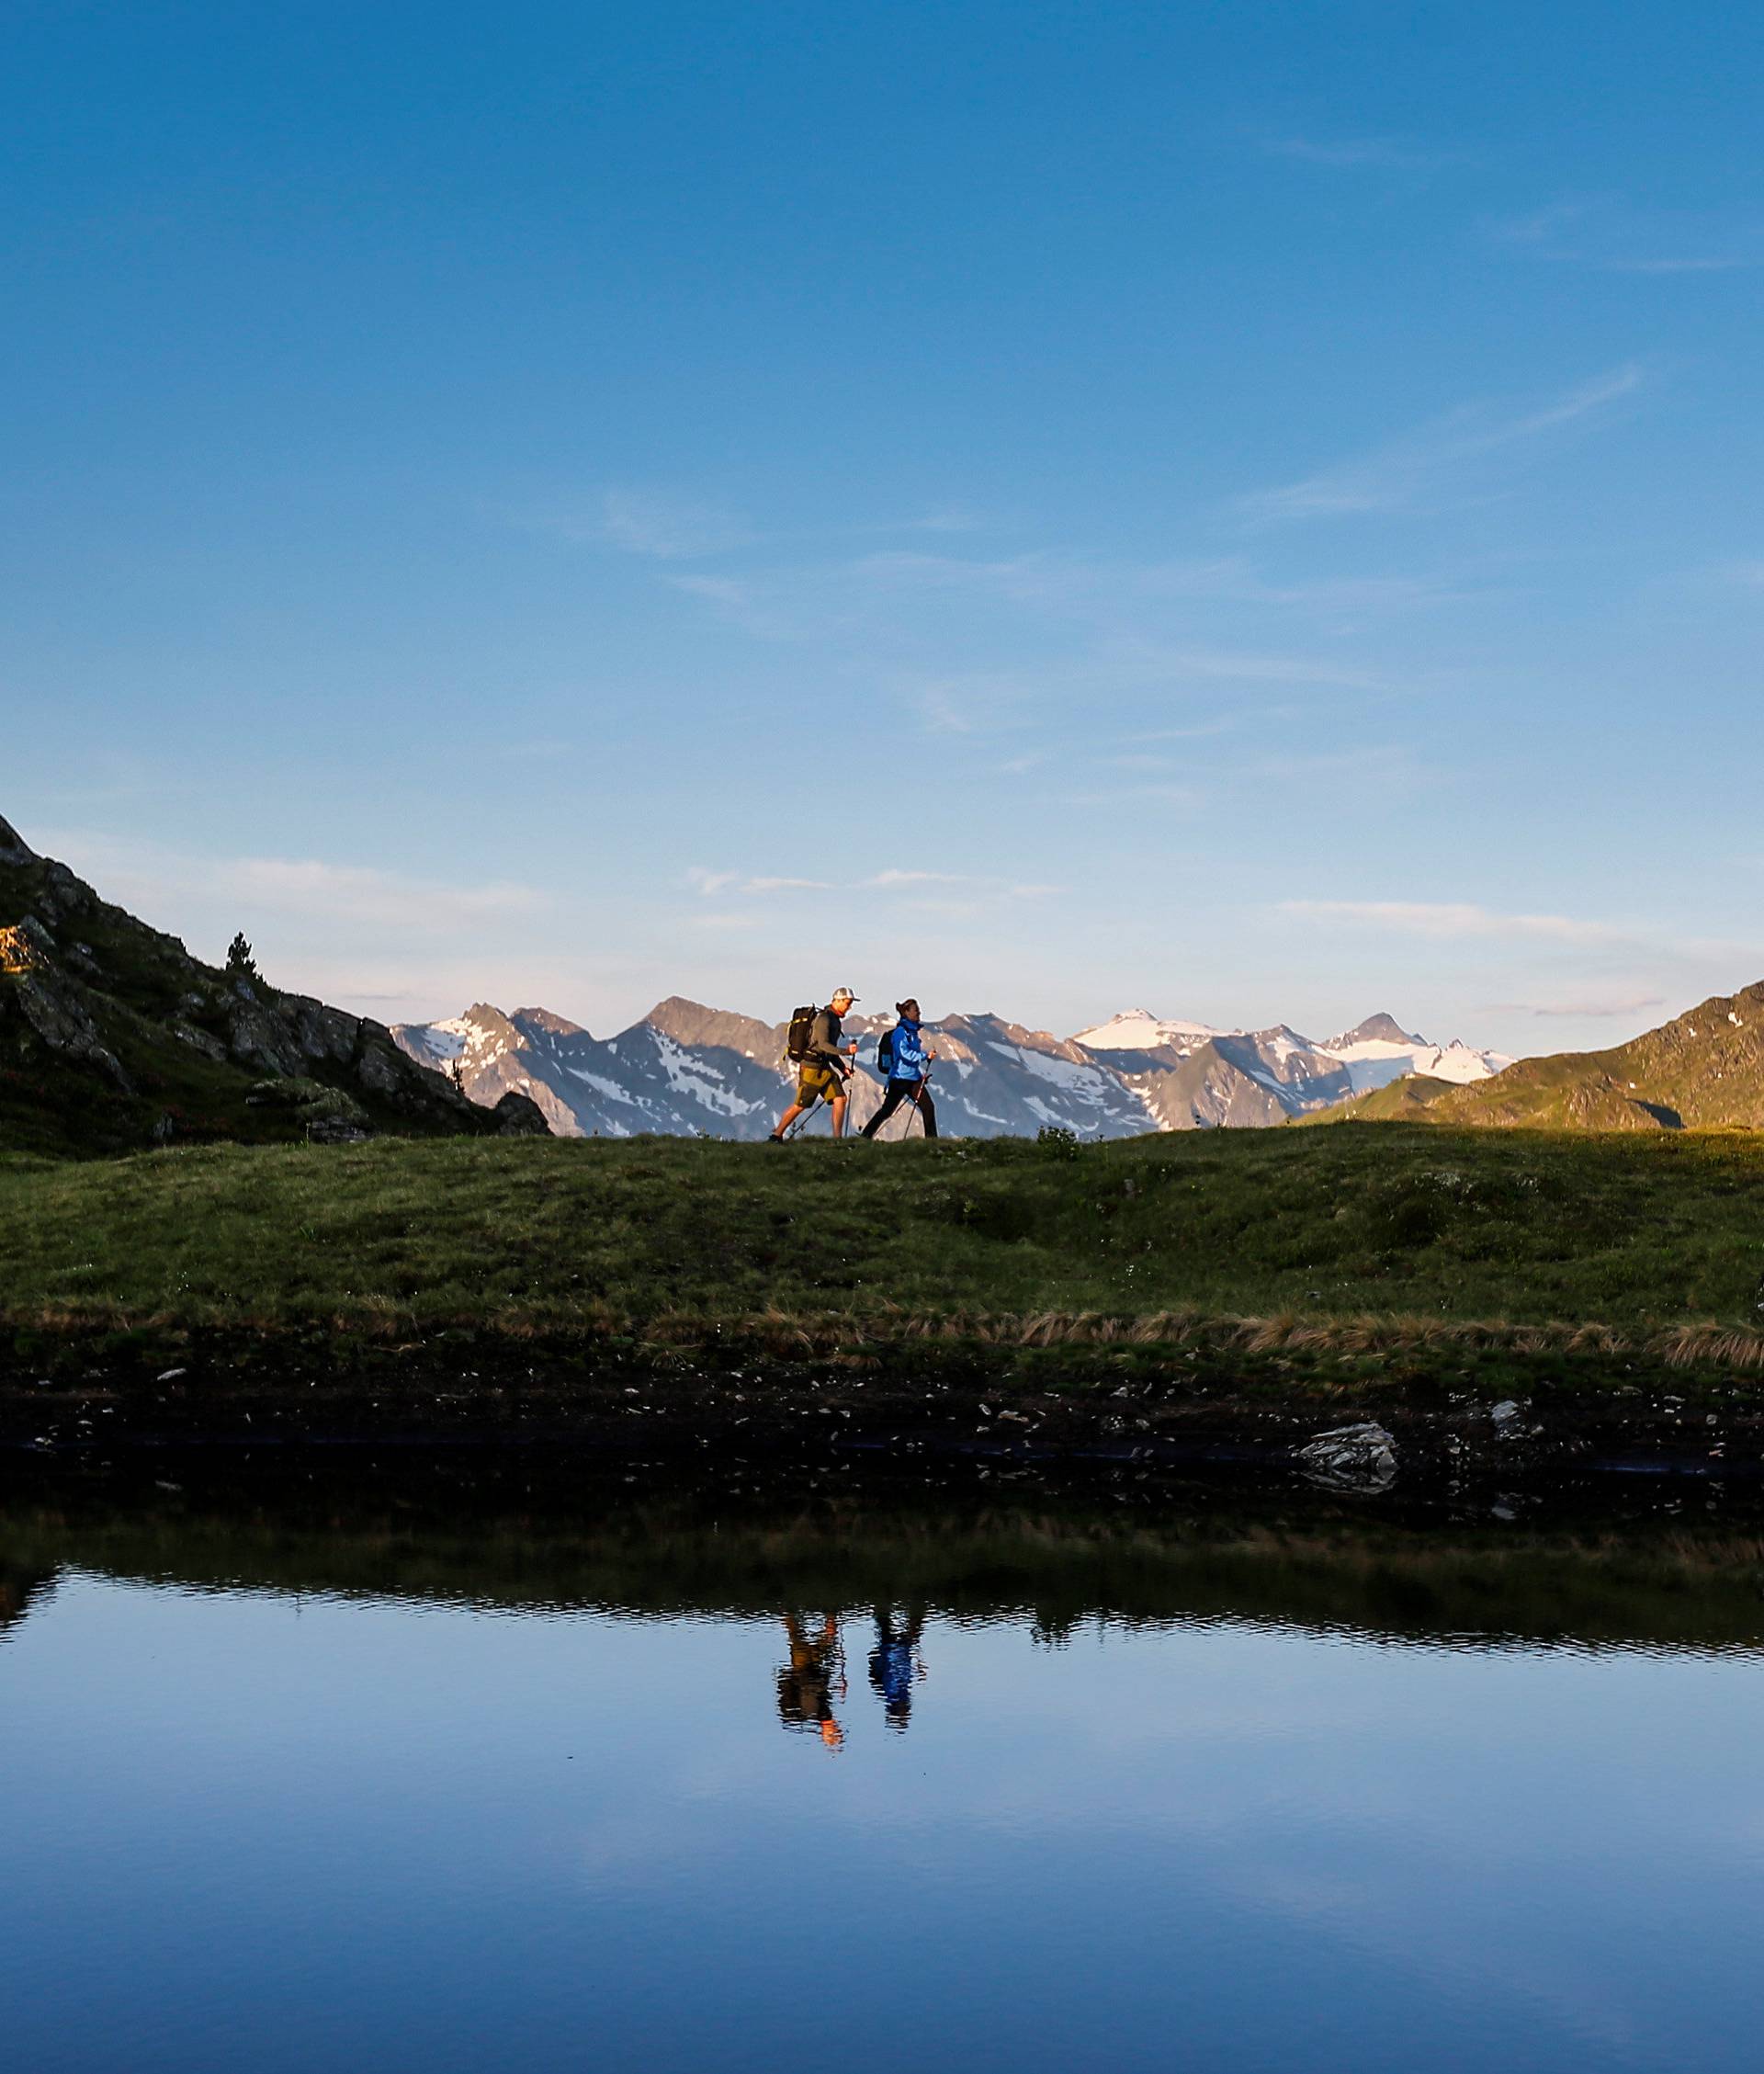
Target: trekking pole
x,y
906,1128
803,1120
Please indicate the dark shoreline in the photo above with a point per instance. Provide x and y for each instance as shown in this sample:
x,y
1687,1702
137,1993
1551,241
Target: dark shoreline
x,y
1584,1561
91,1395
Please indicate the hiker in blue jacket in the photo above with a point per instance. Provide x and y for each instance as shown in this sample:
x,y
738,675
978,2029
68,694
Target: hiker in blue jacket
x,y
909,1072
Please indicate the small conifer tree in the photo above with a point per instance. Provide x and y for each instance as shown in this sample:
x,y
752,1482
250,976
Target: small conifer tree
x,y
241,964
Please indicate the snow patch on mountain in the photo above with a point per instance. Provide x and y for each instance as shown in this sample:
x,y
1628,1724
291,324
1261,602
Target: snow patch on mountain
x,y
1376,1061
1462,1062
1138,1029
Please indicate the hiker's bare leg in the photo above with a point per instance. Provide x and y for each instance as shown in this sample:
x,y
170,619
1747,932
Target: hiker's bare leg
x,y
838,1107
789,1117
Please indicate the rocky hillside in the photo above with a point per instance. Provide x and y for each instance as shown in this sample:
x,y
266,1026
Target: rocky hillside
x,y
689,1069
113,1036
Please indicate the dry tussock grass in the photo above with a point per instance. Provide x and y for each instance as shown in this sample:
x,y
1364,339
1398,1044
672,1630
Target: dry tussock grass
x,y
1368,1334
854,1337
1723,1346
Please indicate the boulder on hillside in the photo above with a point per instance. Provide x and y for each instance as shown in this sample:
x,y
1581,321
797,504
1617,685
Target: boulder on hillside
x,y
259,1038
518,1115
328,1114
322,1032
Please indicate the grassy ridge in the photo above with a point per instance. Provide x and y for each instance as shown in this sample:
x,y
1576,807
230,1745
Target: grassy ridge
x,y
1636,1233
1704,1069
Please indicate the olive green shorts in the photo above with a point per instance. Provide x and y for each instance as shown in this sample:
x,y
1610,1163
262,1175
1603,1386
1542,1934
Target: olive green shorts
x,y
815,1082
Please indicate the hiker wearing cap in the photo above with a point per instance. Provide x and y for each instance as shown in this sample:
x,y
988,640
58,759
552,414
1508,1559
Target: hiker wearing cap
x,y
820,1072
908,1071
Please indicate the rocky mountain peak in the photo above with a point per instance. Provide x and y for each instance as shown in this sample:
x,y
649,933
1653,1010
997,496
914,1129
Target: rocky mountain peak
x,y
1376,1030
483,1020
690,1023
544,1020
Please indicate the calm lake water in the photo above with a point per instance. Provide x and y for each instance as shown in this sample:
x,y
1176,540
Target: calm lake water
x,y
403,1777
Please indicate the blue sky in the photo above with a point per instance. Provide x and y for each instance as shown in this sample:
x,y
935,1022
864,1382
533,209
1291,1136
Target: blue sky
x,y
1250,511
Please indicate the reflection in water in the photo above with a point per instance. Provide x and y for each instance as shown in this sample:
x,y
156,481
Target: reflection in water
x,y
814,1678
443,1770
806,1683
895,1661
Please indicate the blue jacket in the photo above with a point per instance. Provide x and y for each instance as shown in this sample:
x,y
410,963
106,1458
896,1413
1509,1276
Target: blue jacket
x,y
910,1060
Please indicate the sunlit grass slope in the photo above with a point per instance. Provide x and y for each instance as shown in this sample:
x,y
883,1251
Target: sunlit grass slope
x,y
1637,1233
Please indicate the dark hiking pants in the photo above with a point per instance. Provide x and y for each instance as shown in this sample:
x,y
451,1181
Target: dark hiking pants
x,y
900,1091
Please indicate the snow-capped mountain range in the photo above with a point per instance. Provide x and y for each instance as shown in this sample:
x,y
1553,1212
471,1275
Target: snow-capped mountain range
x,y
686,1070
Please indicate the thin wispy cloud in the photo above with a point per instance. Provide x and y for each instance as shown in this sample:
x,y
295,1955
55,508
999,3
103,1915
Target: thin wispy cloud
x,y
786,885
1235,579
666,525
1186,796
1462,920
758,608
155,878
654,524
1385,767
538,749
1054,580
1451,920
1390,154
1234,666
1579,1010
952,519
1138,760
896,593
1688,263
734,924
712,885
1387,764
944,716
1137,667
1202,731
1427,464
1606,235
669,528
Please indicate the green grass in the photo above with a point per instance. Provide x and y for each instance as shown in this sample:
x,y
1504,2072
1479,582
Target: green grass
x,y
1638,1234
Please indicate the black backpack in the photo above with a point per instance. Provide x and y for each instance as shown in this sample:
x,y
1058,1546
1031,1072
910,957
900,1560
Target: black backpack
x,y
802,1030
885,1056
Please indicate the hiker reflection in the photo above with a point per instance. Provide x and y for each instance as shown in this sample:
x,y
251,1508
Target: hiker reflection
x,y
809,1682
894,1662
